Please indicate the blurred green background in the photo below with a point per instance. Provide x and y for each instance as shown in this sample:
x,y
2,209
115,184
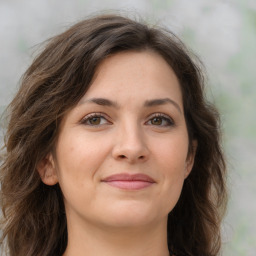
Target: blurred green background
x,y
222,33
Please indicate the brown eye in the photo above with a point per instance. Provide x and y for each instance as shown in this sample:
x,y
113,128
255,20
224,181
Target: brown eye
x,y
94,120
161,120
157,121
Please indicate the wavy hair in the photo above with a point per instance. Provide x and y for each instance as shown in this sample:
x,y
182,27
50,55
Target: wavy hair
x,y
33,214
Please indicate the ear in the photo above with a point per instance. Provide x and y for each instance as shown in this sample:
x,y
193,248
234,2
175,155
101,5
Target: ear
x,y
47,170
190,159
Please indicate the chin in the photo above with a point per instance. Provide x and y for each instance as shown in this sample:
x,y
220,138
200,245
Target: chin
x,y
131,215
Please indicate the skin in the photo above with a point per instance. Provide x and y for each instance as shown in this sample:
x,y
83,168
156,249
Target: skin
x,y
126,136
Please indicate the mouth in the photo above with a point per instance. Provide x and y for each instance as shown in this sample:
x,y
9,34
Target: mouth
x,y
129,181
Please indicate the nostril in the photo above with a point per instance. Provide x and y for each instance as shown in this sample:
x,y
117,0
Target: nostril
x,y
122,156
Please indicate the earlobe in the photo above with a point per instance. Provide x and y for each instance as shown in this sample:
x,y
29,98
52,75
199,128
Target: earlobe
x,y
47,170
190,159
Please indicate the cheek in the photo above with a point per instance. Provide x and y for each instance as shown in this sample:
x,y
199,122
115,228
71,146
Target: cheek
x,y
172,168
79,159
172,154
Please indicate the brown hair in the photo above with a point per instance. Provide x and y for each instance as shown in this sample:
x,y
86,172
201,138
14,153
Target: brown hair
x,y
34,221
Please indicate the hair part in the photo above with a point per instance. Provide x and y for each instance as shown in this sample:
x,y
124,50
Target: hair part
x,y
34,221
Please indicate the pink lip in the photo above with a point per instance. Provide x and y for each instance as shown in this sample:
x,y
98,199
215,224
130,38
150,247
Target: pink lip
x,y
129,181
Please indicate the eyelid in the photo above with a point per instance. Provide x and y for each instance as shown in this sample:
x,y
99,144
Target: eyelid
x,y
95,114
164,116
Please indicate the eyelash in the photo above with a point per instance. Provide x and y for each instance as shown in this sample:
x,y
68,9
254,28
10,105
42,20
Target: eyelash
x,y
164,118
169,121
91,116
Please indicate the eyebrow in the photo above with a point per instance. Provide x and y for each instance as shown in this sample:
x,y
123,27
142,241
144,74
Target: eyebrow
x,y
101,102
148,103
157,102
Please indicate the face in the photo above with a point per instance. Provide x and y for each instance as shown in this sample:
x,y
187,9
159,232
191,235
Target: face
x,y
122,152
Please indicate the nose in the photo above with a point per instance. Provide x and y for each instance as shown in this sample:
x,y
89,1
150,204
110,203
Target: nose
x,y
130,145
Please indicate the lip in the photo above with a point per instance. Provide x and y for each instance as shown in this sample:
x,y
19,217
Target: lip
x,y
129,181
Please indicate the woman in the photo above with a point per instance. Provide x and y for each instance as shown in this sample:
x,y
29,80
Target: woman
x,y
112,149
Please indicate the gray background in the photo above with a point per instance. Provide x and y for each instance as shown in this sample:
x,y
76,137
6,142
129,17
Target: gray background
x,y
223,33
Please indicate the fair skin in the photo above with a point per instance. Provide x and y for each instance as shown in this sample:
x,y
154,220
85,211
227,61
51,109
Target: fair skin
x,y
130,121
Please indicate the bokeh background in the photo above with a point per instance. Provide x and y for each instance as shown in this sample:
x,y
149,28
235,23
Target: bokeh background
x,y
221,32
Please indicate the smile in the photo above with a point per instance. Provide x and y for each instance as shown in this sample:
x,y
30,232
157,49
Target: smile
x,y
128,181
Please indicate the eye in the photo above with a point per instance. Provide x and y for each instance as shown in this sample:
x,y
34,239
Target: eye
x,y
95,119
160,120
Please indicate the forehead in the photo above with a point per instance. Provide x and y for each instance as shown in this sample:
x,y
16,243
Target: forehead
x,y
131,74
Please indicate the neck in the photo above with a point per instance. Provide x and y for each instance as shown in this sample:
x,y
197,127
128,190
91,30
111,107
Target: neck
x,y
136,241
